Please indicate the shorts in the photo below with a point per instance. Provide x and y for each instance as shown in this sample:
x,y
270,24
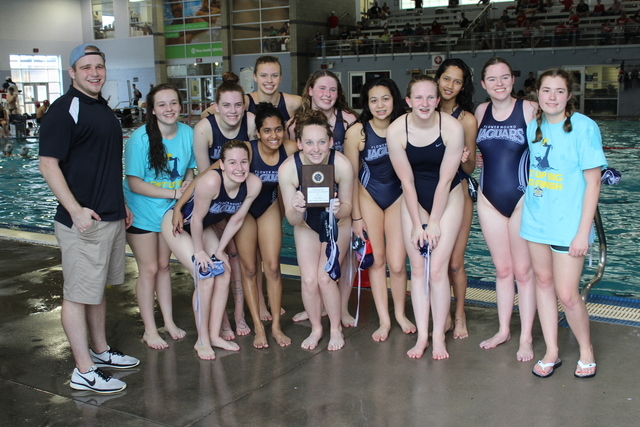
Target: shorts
x,y
91,260
560,249
136,230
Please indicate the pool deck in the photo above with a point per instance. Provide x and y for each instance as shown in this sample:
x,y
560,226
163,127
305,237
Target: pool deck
x,y
364,384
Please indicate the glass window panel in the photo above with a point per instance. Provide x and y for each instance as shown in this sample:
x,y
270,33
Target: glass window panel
x,y
275,15
246,4
103,19
246,46
244,17
275,3
246,31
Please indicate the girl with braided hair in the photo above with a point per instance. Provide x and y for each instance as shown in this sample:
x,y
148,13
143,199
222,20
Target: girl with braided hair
x,y
559,206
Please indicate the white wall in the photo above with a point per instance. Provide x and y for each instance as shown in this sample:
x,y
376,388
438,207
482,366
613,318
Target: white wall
x,y
55,27
52,26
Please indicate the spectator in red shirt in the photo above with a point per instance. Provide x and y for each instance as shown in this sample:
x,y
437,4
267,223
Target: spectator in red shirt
x,y
606,30
560,33
436,29
574,25
521,19
332,23
598,9
567,5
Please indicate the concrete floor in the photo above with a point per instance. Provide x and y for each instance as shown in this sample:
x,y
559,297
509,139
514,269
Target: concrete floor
x,y
364,384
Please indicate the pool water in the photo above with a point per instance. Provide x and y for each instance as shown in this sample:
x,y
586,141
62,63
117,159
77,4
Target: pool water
x,y
27,202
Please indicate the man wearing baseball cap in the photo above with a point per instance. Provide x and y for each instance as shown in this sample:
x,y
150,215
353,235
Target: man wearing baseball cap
x,y
81,160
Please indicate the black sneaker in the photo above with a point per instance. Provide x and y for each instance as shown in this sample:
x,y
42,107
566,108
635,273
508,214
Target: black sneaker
x,y
96,380
113,358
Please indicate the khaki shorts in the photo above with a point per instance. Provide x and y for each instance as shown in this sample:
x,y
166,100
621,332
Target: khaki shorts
x,y
91,260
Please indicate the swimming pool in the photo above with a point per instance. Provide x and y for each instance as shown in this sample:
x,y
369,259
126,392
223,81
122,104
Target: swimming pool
x,y
26,201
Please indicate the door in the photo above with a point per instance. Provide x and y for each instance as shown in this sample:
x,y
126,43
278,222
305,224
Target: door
x,y
32,93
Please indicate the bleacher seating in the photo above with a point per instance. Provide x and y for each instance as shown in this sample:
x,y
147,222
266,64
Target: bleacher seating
x,y
455,38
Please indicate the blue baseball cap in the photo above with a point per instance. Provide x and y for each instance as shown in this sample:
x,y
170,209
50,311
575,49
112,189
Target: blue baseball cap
x,y
80,51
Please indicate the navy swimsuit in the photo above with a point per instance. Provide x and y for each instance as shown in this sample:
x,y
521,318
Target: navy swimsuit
x,y
376,173
312,215
282,107
269,176
425,163
505,156
222,207
339,130
219,139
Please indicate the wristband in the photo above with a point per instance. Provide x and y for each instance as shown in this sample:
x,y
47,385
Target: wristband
x,y
175,194
424,226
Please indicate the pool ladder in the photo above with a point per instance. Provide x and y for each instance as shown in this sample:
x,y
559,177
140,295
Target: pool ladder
x,y
602,261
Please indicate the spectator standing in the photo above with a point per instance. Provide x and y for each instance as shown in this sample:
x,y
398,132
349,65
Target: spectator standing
x,y
137,95
332,22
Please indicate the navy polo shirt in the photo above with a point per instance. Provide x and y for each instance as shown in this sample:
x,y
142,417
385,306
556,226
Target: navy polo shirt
x,y
85,135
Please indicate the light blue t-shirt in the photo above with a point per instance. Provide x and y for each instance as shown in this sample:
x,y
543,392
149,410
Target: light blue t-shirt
x,y
148,211
555,192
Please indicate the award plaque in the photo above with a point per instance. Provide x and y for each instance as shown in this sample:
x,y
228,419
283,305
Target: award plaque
x,y
317,185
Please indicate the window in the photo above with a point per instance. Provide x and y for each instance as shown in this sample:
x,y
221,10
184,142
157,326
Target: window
x,y
103,19
192,28
260,26
410,4
38,77
140,18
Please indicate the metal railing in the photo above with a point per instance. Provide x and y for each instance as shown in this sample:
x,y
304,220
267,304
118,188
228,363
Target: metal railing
x,y
602,259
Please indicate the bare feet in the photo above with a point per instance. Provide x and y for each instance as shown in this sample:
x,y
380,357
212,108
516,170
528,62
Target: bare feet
x,y
205,352
406,325
224,344
299,317
225,329
281,339
496,340
260,340
460,328
336,341
312,340
175,332
382,333
418,350
348,321
525,352
241,327
265,316
439,351
154,341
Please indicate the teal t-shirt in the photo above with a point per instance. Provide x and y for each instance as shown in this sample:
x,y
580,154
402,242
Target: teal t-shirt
x,y
148,211
555,192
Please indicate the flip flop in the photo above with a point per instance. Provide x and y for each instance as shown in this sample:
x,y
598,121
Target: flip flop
x,y
585,366
544,366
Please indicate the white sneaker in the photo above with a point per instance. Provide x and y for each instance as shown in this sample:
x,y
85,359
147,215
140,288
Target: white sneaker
x,y
113,358
96,380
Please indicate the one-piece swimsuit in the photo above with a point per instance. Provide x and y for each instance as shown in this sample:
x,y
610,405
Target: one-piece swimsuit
x,y
425,163
219,139
505,157
269,176
376,173
312,215
282,107
222,207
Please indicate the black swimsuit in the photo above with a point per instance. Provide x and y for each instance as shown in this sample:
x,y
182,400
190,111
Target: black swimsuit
x,y
425,163
312,215
222,207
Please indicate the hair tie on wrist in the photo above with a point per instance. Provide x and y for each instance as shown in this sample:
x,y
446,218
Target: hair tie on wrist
x,y
353,219
175,194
